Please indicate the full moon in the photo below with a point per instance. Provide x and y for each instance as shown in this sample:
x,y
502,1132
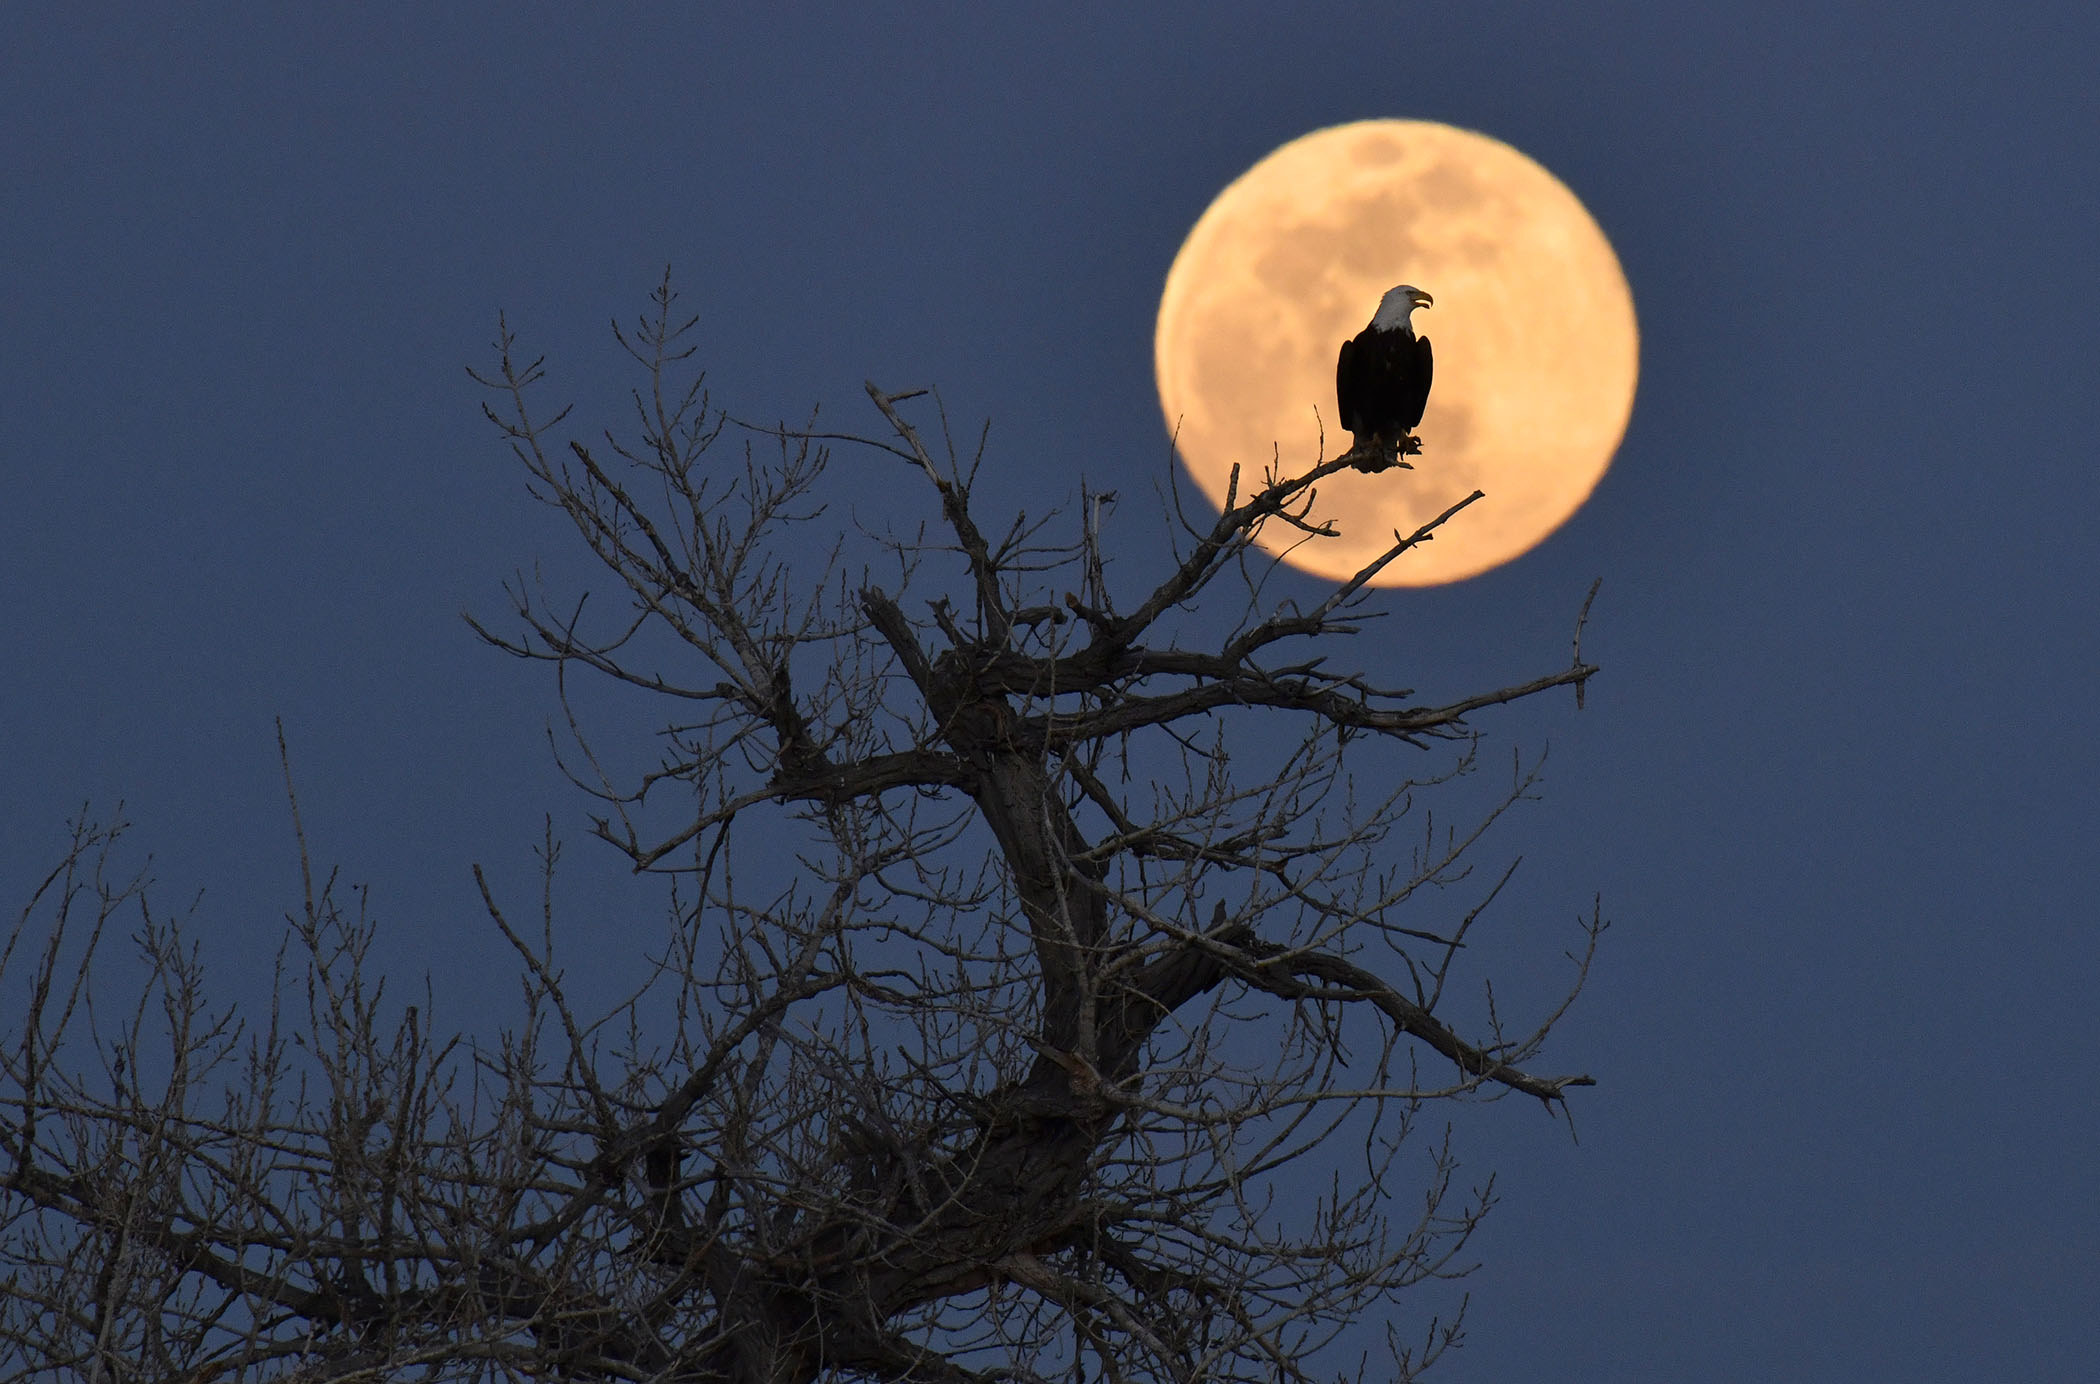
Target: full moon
x,y
1533,328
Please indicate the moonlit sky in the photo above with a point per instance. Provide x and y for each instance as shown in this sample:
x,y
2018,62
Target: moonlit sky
x,y
1835,785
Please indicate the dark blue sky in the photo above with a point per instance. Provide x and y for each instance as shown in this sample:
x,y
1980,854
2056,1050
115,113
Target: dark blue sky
x,y
1836,783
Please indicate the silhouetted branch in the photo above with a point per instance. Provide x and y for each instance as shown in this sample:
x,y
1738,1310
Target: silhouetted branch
x,y
1047,987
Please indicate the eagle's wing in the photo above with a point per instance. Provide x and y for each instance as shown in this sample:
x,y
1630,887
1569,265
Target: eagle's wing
x,y
1425,367
1345,385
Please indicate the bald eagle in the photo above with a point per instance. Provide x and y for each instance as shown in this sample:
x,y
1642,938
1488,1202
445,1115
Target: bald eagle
x,y
1382,379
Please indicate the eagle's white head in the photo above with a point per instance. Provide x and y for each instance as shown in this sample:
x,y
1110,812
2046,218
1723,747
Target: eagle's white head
x,y
1398,303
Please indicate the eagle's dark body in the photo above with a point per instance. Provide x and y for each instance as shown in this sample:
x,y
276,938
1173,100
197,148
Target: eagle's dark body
x,y
1382,378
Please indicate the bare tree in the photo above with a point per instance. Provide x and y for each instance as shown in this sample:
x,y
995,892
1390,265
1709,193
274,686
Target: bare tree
x,y
1049,989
